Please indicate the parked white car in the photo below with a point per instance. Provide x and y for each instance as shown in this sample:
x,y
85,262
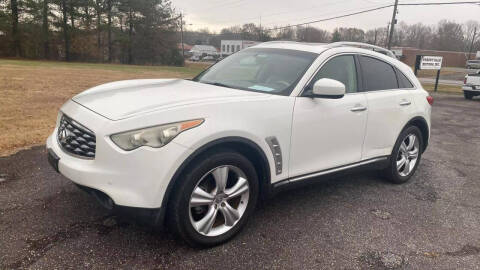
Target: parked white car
x,y
200,153
471,85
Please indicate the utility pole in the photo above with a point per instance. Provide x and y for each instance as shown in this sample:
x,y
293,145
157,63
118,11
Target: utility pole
x,y
386,37
392,25
375,39
473,41
181,35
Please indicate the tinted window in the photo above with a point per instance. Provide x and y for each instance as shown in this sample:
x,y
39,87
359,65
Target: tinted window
x,y
341,68
377,75
403,82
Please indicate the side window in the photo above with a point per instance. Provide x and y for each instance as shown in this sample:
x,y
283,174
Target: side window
x,y
403,82
377,75
340,68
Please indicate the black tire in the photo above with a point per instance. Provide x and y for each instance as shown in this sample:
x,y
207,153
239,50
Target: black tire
x,y
467,95
391,172
178,208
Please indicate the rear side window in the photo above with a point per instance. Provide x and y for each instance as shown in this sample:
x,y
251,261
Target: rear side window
x,y
403,82
377,75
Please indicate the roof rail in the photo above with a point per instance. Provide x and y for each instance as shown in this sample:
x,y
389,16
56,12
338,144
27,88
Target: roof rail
x,y
362,45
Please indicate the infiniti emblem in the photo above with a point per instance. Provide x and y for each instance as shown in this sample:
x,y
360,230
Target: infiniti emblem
x,y
64,134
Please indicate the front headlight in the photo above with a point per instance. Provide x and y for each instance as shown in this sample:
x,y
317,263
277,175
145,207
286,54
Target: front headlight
x,y
155,137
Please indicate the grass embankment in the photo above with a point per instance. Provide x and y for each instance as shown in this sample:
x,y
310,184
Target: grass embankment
x,y
31,93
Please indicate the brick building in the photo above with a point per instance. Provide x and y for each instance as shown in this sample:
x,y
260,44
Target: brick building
x,y
450,59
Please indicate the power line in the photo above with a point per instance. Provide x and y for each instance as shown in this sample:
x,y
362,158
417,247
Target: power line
x,y
374,9
246,20
331,18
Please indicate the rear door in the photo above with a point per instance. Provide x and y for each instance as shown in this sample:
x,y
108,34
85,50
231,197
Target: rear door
x,y
389,98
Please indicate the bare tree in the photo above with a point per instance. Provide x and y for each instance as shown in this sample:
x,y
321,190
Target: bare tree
x,y
471,32
448,36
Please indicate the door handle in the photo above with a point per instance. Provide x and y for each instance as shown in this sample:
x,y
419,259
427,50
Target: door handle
x,y
358,109
405,103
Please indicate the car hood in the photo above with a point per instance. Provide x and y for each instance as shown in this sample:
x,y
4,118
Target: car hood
x,y
124,99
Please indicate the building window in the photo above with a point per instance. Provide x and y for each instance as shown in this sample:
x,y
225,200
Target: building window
x,y
223,48
238,48
228,48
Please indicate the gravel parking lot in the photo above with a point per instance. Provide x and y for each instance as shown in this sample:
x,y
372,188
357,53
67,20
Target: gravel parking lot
x,y
350,222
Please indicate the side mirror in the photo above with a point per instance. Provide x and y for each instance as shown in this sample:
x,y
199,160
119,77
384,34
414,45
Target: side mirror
x,y
328,88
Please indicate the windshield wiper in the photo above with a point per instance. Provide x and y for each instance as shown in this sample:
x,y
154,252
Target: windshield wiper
x,y
218,84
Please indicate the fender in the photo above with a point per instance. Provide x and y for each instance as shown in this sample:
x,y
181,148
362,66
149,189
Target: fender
x,y
160,217
424,129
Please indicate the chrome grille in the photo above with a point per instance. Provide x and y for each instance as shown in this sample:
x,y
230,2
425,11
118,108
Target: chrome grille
x,y
75,138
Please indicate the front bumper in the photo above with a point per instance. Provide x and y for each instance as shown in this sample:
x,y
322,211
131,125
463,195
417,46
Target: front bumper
x,y
473,89
137,178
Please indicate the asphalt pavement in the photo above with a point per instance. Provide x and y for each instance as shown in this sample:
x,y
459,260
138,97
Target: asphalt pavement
x,y
357,221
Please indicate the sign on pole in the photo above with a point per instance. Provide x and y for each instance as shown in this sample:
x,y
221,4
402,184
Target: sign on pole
x,y
431,62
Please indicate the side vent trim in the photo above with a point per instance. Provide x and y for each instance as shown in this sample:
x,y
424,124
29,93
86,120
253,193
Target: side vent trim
x,y
276,152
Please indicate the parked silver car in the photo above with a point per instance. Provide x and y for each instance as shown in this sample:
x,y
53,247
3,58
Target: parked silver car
x,y
473,64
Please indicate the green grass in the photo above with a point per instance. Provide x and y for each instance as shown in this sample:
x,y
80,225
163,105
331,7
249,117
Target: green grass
x,y
443,88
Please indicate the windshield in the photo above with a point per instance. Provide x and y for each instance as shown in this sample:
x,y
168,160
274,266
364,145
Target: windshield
x,y
275,71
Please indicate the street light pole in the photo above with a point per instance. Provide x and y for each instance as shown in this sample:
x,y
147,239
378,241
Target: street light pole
x,y
392,24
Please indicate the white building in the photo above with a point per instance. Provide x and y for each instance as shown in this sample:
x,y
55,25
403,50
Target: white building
x,y
203,50
228,47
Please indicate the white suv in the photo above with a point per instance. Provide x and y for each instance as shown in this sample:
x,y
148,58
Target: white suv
x,y
202,152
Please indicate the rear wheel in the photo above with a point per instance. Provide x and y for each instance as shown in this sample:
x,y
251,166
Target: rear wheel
x,y
467,95
405,156
214,199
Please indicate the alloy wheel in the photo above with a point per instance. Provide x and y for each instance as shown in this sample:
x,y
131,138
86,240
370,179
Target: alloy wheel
x,y
408,155
219,200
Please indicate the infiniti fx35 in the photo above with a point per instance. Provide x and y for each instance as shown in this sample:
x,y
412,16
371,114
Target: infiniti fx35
x,y
198,154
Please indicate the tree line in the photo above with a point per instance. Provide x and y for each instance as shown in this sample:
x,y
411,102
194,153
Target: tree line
x,y
147,32
122,31
444,36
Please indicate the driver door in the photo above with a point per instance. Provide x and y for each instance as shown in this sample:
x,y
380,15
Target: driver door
x,y
328,133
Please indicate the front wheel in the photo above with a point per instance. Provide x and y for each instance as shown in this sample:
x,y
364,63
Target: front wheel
x,y
406,156
214,199
467,95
